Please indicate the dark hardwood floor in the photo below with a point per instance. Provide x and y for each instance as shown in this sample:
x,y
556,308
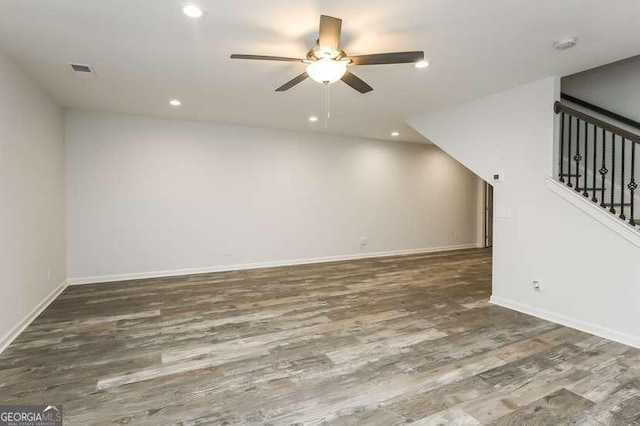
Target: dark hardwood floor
x,y
383,341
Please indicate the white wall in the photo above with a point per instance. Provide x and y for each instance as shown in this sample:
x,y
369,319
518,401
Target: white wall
x,y
32,206
154,197
590,274
615,87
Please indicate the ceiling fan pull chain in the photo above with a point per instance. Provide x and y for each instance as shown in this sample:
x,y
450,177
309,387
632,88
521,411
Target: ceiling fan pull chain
x,y
326,106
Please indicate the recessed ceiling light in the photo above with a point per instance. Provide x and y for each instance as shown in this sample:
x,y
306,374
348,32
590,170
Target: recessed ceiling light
x,y
175,102
421,64
567,43
395,134
313,119
192,11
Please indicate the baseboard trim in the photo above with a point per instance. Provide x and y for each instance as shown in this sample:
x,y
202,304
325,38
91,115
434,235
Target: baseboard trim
x,y
10,336
273,264
626,339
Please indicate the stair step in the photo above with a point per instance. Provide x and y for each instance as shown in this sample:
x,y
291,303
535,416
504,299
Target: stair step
x,y
570,175
591,189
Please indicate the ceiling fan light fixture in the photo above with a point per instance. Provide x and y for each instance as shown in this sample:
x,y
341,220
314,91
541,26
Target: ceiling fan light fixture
x,y
326,71
421,64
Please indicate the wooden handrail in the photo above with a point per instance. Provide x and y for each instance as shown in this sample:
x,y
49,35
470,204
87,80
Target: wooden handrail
x,y
560,107
595,108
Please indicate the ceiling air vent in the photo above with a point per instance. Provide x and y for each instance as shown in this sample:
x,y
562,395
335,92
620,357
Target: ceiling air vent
x,y
82,69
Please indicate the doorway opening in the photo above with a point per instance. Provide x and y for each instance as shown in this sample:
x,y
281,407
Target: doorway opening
x,y
488,215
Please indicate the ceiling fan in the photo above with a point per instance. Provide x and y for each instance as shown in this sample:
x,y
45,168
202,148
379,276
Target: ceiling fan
x,y
326,63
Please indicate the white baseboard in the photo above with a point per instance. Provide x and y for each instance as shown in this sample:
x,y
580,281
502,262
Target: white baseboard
x,y
225,268
626,339
24,323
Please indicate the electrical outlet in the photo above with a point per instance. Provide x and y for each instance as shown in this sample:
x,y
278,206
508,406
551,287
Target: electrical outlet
x,y
364,241
537,285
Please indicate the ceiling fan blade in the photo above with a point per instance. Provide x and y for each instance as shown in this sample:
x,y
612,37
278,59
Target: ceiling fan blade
x,y
330,28
265,58
288,85
388,58
356,82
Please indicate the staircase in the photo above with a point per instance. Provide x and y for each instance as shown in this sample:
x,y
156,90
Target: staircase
x,y
597,158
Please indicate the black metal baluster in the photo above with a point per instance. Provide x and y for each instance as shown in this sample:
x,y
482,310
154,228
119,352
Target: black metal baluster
x,y
594,197
612,208
579,154
586,160
569,184
577,157
622,216
603,169
562,147
633,185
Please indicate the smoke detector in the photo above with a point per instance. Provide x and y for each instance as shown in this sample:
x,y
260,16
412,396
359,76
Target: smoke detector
x,y
565,44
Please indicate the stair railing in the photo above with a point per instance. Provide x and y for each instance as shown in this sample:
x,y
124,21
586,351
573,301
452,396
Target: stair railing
x,y
598,159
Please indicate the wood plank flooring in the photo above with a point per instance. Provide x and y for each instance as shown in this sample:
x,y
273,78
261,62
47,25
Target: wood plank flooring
x,y
386,341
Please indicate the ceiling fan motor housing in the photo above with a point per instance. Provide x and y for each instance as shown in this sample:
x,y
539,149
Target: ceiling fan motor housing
x,y
318,53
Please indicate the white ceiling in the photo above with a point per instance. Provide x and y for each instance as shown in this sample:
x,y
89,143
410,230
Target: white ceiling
x,y
146,52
